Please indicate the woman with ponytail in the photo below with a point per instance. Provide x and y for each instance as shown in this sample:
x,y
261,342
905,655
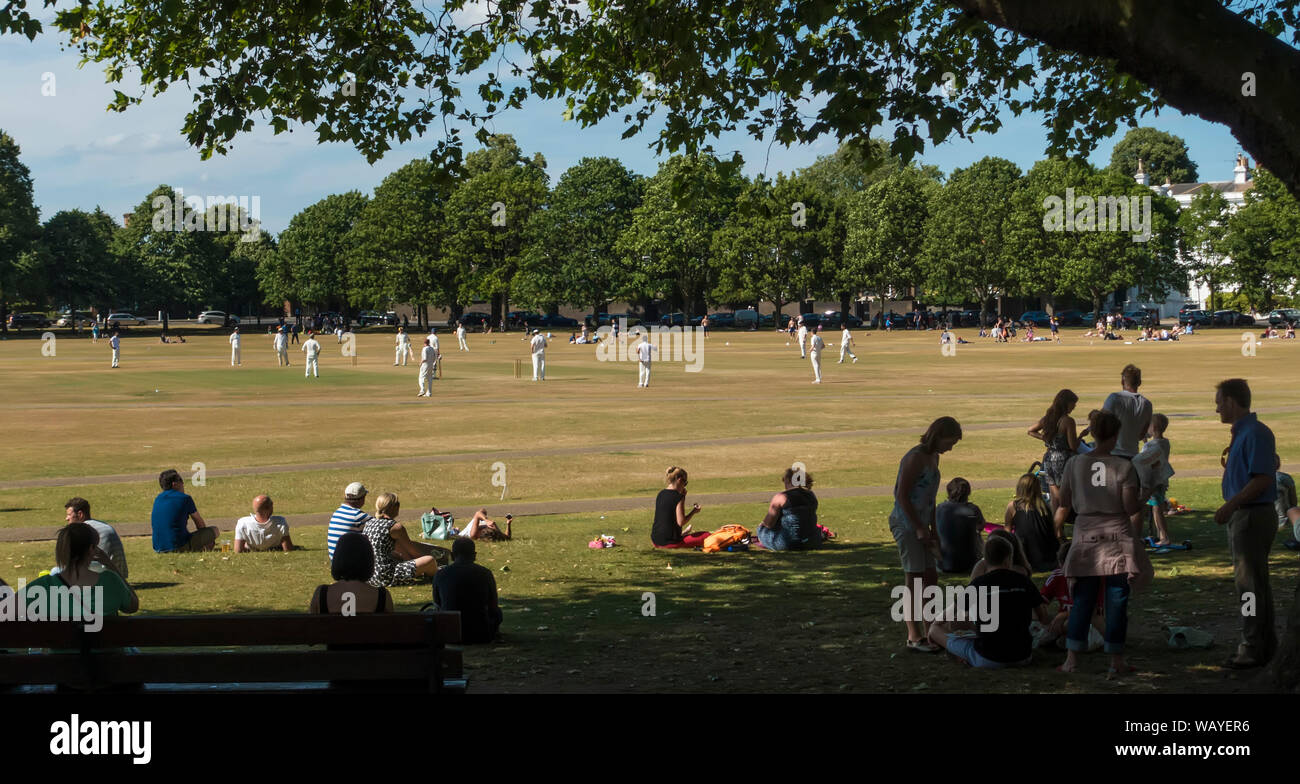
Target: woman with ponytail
x,y
672,524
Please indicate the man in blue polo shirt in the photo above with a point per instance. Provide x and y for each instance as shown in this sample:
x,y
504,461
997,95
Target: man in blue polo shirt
x,y
1249,489
172,510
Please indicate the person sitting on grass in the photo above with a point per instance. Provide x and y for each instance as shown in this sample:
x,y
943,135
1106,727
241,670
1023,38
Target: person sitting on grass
x,y
470,589
352,567
1028,517
262,530
1019,562
672,523
1057,588
480,527
791,520
959,523
1018,601
76,550
77,510
172,509
398,560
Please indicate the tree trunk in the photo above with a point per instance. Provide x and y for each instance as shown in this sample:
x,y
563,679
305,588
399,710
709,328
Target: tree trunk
x,y
1164,46
844,307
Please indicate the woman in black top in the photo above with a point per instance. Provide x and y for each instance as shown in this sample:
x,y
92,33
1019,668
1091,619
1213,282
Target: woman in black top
x,y
959,523
352,568
672,522
791,520
1027,516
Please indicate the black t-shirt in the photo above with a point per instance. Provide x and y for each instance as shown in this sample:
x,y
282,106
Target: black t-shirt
x,y
1038,536
469,589
1017,598
665,529
959,535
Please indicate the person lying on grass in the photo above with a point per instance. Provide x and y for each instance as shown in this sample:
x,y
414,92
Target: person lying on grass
x,y
481,527
1018,601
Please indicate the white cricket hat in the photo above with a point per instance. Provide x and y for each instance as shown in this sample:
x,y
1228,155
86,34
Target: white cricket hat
x,y
355,490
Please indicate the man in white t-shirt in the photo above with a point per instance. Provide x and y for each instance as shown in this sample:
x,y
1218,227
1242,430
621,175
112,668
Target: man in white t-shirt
x,y
428,364
846,343
1133,410
263,529
115,343
803,338
538,346
816,344
312,349
644,352
280,342
234,348
403,347
460,337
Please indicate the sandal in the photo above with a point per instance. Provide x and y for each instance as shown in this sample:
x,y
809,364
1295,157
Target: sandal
x,y
922,646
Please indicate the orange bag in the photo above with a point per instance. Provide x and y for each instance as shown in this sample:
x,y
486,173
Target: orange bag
x,y
725,536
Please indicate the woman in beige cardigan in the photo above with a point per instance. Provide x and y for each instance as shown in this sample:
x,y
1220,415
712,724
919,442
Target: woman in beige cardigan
x,y
1107,559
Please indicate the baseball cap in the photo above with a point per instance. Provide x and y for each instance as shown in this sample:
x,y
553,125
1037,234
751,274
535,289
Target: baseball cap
x,y
355,490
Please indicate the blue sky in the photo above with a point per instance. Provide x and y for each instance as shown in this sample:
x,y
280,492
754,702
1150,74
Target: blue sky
x,y
81,155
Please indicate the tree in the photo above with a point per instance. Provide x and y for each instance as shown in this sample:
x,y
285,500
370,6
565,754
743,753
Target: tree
x,y
1163,155
488,216
886,236
19,225
314,246
1263,239
967,250
80,267
936,68
1204,225
397,247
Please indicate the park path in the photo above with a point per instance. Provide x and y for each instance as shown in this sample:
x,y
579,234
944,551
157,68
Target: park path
x,y
580,506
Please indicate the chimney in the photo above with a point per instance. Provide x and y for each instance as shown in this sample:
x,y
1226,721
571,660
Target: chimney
x,y
126,219
1242,169
1141,176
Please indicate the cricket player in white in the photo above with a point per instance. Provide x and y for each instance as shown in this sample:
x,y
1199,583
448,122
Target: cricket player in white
x,y
460,336
403,347
281,343
115,343
803,338
313,350
539,355
816,344
846,340
644,351
234,348
428,364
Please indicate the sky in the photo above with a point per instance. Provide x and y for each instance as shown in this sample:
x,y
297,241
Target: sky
x,y
82,155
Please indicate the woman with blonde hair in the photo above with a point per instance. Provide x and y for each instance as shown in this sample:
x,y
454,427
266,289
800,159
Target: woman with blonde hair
x,y
672,523
912,521
398,560
1028,517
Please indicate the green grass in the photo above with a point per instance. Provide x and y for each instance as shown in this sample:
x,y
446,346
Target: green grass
x,y
735,621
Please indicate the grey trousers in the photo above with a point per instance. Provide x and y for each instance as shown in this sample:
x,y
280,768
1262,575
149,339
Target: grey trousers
x,y
1250,537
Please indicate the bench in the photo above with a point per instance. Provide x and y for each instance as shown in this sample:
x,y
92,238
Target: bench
x,y
231,652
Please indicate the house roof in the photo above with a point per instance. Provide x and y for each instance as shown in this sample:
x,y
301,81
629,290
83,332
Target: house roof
x,y
1185,188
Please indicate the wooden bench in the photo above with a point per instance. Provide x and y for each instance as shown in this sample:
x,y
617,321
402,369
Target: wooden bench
x,y
218,650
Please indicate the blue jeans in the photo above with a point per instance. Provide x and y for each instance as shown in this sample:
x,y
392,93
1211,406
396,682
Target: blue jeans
x,y
1085,601
778,539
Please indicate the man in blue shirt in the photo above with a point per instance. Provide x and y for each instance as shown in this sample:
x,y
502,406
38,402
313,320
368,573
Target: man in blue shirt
x,y
1249,489
172,510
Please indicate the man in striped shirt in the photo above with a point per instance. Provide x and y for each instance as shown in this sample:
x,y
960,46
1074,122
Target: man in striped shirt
x,y
348,518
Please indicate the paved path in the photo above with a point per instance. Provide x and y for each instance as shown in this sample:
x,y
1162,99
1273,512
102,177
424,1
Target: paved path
x,y
580,506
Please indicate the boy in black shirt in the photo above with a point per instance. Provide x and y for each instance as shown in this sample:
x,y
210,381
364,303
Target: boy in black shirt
x,y
465,587
1013,605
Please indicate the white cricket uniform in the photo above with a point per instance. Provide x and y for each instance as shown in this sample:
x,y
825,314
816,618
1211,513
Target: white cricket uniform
x,y
803,339
234,349
815,353
460,336
644,350
403,348
845,340
539,357
428,364
313,350
281,344
116,343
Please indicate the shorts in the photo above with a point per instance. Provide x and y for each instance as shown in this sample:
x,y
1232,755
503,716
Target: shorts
x,y
963,647
199,541
916,557
1157,498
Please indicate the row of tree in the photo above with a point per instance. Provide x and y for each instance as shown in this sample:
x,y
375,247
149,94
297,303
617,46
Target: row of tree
x,y
695,234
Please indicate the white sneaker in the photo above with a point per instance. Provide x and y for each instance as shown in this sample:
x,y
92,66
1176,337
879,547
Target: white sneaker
x,y
855,360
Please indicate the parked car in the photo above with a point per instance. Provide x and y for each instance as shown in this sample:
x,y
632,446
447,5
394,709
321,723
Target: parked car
x,y
1231,318
1069,318
372,318
81,319
118,319
672,320
1283,315
475,319
748,318
210,317
722,319
832,319
559,321
1200,318
1145,317
1188,306
1038,318
29,320
528,318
